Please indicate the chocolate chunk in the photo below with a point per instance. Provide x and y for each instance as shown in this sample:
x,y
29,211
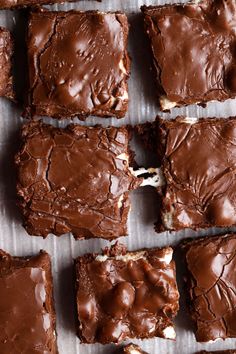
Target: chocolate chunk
x,y
211,283
193,47
75,180
78,64
132,349
126,294
6,54
198,162
26,305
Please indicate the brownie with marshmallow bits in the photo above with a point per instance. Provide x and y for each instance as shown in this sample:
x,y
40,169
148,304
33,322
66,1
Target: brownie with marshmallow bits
x,y
75,180
78,64
193,48
197,157
124,294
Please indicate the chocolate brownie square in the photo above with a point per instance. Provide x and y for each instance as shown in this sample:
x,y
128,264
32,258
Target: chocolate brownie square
x,y
78,64
6,56
211,284
75,180
197,159
124,294
27,322
193,47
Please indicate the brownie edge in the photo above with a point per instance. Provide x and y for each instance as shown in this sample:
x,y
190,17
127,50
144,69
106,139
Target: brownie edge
x,y
6,64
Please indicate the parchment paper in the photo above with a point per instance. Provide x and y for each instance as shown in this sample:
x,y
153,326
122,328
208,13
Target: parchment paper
x,y
142,107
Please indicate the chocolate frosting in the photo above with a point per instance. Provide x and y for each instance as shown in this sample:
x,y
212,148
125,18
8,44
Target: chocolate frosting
x,y
193,47
78,64
121,295
6,53
198,161
27,314
11,4
74,180
211,264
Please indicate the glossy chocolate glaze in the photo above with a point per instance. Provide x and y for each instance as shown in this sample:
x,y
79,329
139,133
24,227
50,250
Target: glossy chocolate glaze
x,y
78,64
13,4
6,53
198,162
126,294
194,48
211,281
27,313
74,180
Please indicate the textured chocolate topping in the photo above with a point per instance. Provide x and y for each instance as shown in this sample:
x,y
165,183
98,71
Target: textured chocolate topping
x,y
11,4
26,305
132,349
211,281
198,162
78,64
74,180
6,53
125,295
193,48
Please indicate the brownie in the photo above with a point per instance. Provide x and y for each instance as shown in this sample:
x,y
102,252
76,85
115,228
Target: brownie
x,y
14,4
75,180
6,56
124,294
26,305
197,158
211,284
132,349
78,64
193,47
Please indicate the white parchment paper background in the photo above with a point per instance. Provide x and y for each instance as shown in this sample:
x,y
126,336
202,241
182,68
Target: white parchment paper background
x,y
142,108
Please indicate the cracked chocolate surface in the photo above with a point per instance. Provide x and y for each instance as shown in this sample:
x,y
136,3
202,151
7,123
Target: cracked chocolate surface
x,y
6,53
74,180
27,313
193,48
78,64
198,162
126,294
211,281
